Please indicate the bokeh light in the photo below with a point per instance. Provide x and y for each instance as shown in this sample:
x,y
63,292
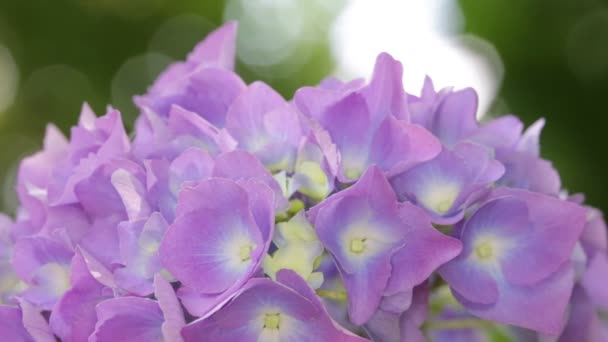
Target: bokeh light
x,y
553,59
9,78
55,91
176,36
587,46
424,36
133,78
269,29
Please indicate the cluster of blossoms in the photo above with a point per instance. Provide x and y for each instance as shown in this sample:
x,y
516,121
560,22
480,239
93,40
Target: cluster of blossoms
x,y
353,212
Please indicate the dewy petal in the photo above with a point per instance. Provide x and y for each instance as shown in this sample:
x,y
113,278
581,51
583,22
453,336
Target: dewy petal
x,y
214,241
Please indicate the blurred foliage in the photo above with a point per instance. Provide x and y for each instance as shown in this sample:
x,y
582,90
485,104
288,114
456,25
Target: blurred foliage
x,y
103,51
556,66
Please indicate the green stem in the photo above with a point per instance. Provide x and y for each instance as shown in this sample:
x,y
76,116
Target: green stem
x,y
339,296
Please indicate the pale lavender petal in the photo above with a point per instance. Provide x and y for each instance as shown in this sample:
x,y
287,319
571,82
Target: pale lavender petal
x,y
241,165
35,173
425,247
266,310
11,325
594,280
385,94
527,306
360,227
128,319
35,324
214,241
73,316
218,48
171,308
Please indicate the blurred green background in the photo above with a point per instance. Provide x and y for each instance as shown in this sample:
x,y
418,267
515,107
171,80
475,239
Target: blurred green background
x,y
547,59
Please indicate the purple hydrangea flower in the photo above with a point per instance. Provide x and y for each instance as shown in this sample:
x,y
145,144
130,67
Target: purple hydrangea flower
x,y
73,317
286,310
234,214
447,185
389,326
449,115
364,124
380,246
140,319
265,125
515,259
204,83
24,323
218,240
44,265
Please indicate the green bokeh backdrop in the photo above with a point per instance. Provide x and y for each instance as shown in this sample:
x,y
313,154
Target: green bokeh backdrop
x,y
555,55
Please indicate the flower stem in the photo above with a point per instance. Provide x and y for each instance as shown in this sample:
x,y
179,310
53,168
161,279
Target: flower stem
x,y
339,296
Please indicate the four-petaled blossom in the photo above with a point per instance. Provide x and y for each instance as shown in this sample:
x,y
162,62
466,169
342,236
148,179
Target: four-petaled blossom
x,y
516,259
285,310
382,248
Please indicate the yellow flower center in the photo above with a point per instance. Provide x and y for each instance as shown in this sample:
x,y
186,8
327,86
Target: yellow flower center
x,y
245,252
444,206
357,246
484,250
272,321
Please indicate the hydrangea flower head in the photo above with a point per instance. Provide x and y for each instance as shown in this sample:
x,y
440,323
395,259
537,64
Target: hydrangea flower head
x,y
353,212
